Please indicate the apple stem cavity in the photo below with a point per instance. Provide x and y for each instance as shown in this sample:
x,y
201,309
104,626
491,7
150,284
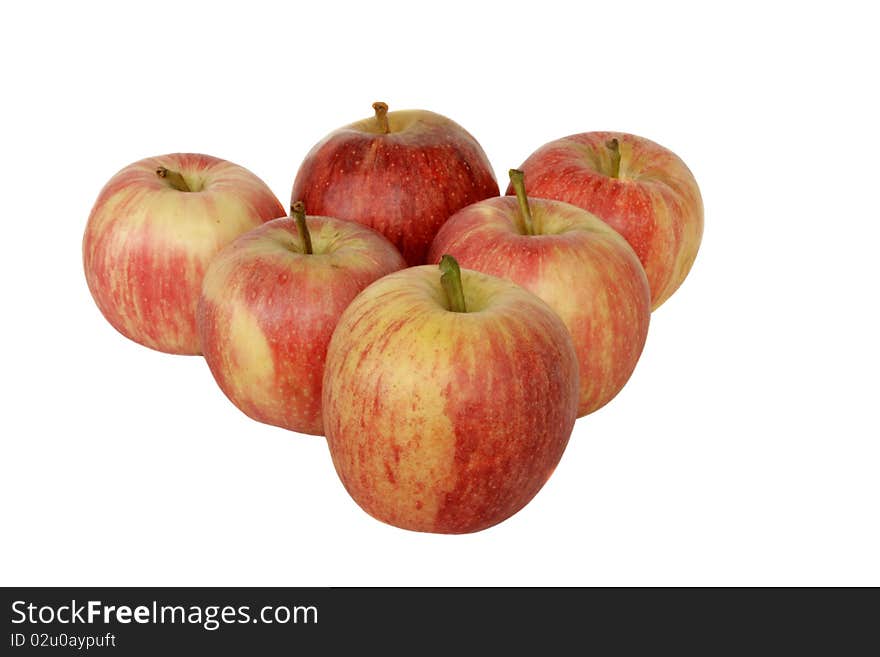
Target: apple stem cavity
x,y
450,279
381,110
173,178
517,180
614,147
298,210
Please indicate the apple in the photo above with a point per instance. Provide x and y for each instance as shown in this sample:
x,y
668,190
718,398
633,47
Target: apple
x,y
449,398
575,262
270,301
151,233
639,188
403,173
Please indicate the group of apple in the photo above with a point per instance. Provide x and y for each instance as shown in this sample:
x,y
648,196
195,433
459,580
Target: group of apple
x,y
444,338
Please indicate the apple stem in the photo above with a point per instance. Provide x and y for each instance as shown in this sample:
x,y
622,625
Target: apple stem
x,y
450,279
174,179
519,186
298,210
614,146
381,110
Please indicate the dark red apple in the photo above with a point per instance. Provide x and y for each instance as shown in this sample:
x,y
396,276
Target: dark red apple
x,y
402,173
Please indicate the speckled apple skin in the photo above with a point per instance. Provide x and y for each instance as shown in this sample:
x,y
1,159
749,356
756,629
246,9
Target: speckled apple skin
x,y
404,184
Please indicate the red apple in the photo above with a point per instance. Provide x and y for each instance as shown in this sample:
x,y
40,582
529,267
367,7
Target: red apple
x,y
151,233
402,173
580,266
270,301
642,190
447,401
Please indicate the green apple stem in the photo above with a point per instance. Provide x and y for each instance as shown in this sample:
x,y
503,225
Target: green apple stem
x,y
614,146
381,110
519,186
174,179
298,210
450,279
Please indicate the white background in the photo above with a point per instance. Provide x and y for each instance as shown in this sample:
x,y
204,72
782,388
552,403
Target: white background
x,y
744,449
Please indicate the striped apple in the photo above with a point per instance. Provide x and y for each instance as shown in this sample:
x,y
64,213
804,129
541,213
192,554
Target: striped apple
x,y
575,262
151,233
448,402
402,173
270,301
641,189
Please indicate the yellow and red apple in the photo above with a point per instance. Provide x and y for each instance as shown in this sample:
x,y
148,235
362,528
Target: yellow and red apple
x,y
402,173
579,265
449,398
641,189
270,301
151,233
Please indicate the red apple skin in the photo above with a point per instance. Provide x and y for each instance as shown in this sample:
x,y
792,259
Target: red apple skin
x,y
576,263
268,309
146,244
441,421
404,184
654,203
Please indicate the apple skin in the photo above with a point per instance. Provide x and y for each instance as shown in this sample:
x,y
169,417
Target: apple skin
x,y
404,184
147,244
654,203
576,263
442,421
268,309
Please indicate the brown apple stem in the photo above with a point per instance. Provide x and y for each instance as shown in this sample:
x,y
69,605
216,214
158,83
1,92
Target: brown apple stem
x,y
298,210
614,146
519,186
381,110
174,179
450,279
